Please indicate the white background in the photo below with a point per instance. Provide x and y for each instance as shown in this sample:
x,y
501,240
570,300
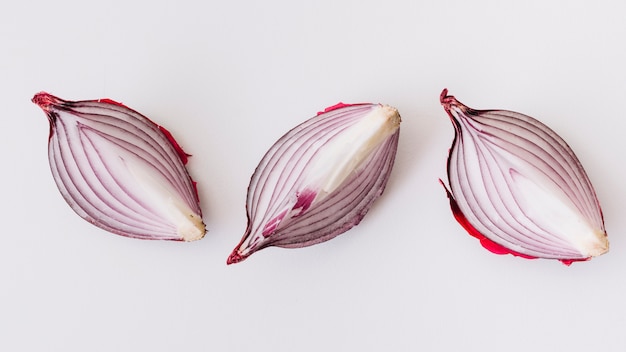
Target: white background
x,y
227,79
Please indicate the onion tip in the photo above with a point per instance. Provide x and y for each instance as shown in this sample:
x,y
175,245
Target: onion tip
x,y
235,258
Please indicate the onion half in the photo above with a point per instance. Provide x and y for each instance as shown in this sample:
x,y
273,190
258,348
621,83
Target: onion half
x,y
120,171
320,179
519,188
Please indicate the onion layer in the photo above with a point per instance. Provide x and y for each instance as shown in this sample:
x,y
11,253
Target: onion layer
x,y
518,187
120,171
320,179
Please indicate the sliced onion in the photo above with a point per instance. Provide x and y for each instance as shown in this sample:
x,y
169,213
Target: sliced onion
x,y
120,171
320,179
518,187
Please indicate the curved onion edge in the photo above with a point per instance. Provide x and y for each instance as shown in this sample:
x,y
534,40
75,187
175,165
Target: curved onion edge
x,y
372,185
52,105
485,242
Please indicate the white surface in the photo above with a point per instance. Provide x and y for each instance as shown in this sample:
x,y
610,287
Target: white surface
x,y
228,79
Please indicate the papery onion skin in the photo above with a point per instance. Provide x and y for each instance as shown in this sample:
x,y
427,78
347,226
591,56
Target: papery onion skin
x,y
519,188
120,171
320,179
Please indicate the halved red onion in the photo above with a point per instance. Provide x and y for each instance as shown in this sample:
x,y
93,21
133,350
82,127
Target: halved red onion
x,y
320,179
120,171
518,187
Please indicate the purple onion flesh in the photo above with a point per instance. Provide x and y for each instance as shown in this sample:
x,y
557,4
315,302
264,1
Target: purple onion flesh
x,y
320,179
120,171
519,188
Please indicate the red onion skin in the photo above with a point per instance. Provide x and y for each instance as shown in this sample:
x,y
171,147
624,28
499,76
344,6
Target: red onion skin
x,y
488,244
484,241
458,214
338,106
